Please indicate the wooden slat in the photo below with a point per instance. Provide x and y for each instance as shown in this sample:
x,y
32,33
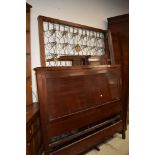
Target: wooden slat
x,y
84,132
89,141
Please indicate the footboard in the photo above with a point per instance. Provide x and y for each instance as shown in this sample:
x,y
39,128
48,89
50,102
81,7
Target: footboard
x,y
79,107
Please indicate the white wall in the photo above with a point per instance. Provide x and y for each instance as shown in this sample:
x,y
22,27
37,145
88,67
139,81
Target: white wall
x,y
87,12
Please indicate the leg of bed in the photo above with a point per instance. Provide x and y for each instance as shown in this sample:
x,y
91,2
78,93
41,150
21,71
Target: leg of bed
x,y
97,148
123,134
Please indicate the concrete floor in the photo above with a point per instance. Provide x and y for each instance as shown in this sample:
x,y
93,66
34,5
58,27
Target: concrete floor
x,y
114,146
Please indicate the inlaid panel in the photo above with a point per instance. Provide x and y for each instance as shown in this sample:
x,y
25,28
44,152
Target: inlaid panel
x,y
72,94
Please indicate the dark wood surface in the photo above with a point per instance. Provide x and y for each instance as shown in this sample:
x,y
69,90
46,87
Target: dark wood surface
x,y
73,97
28,58
86,143
33,130
31,111
119,27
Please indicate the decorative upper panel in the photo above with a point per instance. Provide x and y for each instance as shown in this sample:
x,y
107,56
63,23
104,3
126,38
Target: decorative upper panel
x,y
61,38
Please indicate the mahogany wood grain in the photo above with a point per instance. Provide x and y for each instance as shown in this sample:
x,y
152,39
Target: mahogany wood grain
x,y
28,58
119,27
73,97
83,132
83,118
33,130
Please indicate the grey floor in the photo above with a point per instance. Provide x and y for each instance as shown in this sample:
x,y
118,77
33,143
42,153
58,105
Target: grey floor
x,y
114,146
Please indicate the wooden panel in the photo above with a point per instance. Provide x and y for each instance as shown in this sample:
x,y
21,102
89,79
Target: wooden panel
x,y
82,118
29,149
72,92
116,45
119,27
28,132
74,97
34,139
33,130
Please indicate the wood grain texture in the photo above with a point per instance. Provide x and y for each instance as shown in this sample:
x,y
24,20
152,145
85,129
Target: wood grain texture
x,y
33,130
119,27
28,58
74,97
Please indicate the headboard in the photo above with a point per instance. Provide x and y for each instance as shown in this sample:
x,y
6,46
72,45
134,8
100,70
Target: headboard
x,y
61,39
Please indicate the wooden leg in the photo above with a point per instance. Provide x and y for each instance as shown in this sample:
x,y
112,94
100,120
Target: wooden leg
x,y
123,134
97,148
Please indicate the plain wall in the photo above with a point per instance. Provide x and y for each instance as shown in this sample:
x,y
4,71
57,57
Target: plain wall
x,y
87,12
